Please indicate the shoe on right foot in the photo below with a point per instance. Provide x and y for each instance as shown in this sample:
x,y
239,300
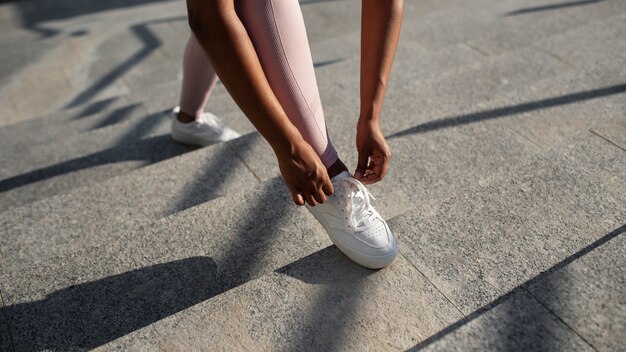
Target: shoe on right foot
x,y
354,226
206,130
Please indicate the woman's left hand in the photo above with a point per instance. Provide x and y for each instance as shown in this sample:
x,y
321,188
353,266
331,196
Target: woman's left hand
x,y
374,153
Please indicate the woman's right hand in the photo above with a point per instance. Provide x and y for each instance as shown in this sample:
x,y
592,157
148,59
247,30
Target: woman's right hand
x,y
305,175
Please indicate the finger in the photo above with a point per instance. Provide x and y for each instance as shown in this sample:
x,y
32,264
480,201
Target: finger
x,y
373,172
384,168
379,168
311,200
297,198
320,197
328,188
370,178
296,195
361,166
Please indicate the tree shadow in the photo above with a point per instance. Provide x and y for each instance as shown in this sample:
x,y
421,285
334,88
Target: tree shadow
x,y
210,182
150,43
88,315
524,331
118,115
550,7
511,110
35,14
91,314
332,314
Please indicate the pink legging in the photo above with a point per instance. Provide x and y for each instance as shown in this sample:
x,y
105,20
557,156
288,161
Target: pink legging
x,y
277,31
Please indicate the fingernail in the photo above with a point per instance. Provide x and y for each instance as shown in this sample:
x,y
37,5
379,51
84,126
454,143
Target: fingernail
x,y
358,175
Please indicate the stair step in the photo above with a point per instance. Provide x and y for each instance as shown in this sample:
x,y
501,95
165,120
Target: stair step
x,y
173,92
321,302
199,253
30,134
75,220
532,218
83,144
519,323
64,176
613,131
471,156
494,226
98,214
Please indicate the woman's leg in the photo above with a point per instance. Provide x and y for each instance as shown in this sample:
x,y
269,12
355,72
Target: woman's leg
x,y
277,31
199,78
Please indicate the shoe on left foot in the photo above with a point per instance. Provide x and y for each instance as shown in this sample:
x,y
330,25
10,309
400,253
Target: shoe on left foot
x,y
354,226
206,130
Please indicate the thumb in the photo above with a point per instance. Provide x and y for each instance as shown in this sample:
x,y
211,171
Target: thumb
x,y
361,166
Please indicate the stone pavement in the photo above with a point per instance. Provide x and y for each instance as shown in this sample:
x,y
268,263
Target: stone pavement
x,y
507,120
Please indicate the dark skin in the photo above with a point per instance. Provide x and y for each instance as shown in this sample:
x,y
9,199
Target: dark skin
x,y
220,32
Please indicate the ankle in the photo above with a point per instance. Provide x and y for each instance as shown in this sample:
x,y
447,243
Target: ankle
x,y
185,117
336,168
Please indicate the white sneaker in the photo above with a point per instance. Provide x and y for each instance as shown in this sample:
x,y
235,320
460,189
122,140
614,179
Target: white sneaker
x,y
207,130
354,226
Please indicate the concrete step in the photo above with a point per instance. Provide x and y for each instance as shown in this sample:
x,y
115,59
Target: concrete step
x,y
55,130
464,246
193,255
86,170
484,252
45,128
162,36
449,158
582,290
97,214
478,246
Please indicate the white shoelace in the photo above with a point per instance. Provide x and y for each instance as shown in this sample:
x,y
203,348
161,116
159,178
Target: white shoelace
x,y
360,210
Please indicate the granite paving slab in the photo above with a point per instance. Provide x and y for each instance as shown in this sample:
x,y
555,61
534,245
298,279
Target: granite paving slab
x,y
613,131
520,323
83,144
96,215
596,44
486,240
319,302
28,134
5,332
588,294
503,29
86,170
93,296
424,167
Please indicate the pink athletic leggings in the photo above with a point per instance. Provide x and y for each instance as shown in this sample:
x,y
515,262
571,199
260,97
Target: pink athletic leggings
x,y
276,28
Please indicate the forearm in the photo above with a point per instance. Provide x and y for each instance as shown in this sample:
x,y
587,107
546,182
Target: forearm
x,y
381,21
220,32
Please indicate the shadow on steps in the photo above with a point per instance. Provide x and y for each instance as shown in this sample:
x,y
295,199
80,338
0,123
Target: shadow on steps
x,y
149,150
91,314
524,335
550,7
512,110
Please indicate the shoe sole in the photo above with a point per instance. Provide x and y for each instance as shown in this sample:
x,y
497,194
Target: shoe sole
x,y
368,261
191,140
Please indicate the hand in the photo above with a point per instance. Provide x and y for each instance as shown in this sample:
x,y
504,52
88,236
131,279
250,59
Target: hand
x,y
305,175
374,153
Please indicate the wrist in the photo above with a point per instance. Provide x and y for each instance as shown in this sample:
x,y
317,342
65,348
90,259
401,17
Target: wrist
x,y
369,115
366,122
286,143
